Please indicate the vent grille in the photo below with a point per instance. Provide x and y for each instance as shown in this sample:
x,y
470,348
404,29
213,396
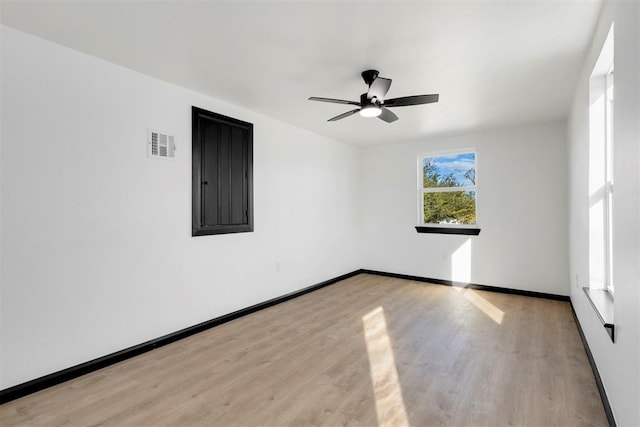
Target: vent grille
x,y
161,145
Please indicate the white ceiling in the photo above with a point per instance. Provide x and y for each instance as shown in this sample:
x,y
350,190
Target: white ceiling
x,y
494,63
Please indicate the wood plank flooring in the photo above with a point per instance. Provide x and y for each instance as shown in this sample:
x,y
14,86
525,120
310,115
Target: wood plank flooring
x,y
366,351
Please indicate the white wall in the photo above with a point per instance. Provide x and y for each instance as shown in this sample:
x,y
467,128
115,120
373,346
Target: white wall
x,y
521,211
619,363
96,251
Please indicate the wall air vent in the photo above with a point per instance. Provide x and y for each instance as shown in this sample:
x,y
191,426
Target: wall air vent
x,y
160,145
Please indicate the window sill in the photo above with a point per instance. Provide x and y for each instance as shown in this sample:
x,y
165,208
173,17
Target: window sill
x,y
467,231
602,302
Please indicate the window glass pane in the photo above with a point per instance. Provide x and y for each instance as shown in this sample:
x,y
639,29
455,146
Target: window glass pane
x,y
450,207
449,171
609,127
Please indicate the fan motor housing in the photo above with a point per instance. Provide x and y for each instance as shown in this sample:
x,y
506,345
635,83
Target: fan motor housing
x,y
365,100
369,76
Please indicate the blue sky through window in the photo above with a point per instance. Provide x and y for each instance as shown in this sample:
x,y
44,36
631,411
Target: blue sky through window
x,y
457,164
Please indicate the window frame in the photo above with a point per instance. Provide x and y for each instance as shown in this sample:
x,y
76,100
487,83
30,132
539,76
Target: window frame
x,y
423,227
608,176
601,140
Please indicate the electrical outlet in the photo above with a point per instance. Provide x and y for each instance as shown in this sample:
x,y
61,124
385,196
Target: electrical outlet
x,y
278,266
577,281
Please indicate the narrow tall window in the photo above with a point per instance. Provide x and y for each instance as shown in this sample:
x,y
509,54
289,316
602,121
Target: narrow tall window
x,y
609,180
447,188
601,89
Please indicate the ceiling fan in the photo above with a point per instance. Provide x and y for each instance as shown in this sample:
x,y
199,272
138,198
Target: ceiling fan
x,y
373,104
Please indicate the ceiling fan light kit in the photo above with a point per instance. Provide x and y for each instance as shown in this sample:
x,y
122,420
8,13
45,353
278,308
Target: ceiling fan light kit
x,y
370,110
373,104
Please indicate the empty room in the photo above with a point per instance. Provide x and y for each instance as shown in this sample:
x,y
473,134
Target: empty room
x,y
296,213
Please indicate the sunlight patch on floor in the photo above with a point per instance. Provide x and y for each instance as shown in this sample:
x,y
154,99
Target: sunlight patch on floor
x,y
384,375
485,306
461,272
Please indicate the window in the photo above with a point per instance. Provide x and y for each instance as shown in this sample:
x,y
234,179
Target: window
x,y
601,88
222,174
447,189
609,179
601,201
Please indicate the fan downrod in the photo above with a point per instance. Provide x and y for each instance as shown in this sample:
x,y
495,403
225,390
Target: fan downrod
x,y
369,76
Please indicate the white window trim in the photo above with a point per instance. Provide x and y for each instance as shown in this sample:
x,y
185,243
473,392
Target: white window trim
x,y
421,190
604,76
609,112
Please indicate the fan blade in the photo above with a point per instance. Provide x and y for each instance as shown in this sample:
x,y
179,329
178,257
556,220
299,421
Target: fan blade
x,y
387,115
379,88
343,115
334,101
411,100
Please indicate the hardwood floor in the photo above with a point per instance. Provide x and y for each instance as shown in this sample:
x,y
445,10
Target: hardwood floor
x,y
366,351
